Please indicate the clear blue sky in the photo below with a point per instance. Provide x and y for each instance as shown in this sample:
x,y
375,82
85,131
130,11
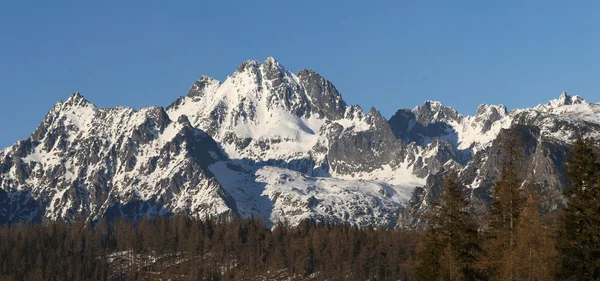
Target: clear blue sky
x,y
390,55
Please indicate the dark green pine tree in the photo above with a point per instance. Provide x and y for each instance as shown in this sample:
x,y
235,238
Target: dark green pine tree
x,y
429,257
452,245
579,238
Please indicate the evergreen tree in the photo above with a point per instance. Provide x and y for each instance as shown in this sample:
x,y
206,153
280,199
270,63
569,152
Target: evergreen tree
x,y
429,257
579,244
451,247
504,214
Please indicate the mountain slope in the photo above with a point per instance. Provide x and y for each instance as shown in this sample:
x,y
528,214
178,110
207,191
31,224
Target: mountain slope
x,y
277,145
545,133
264,113
83,162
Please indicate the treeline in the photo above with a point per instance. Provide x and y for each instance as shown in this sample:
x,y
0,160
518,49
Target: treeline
x,y
512,242
181,248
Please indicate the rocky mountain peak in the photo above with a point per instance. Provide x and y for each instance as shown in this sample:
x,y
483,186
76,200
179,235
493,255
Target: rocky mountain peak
x,y
433,105
248,65
269,69
280,78
75,96
562,100
272,63
325,99
487,115
566,99
76,99
373,112
199,87
269,86
435,111
485,109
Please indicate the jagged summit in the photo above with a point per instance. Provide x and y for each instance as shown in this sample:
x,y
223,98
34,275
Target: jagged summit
x,y
433,104
269,143
484,109
76,99
270,60
269,63
304,94
435,111
199,87
75,95
261,102
562,100
566,99
326,100
249,64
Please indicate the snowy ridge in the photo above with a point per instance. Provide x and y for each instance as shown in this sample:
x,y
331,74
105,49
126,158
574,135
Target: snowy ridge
x,y
475,144
471,133
261,112
564,99
266,143
88,162
475,133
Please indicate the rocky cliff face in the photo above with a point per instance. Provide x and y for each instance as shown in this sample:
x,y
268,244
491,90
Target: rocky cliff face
x,y
84,162
543,135
277,145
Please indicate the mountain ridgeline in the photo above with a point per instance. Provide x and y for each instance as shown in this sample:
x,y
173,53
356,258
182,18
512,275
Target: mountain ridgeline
x,y
271,144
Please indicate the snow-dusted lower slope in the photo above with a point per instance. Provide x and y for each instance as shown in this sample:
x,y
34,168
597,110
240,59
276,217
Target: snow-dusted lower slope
x,y
359,202
282,194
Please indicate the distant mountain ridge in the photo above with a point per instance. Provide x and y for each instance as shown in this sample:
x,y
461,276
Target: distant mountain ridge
x,y
277,145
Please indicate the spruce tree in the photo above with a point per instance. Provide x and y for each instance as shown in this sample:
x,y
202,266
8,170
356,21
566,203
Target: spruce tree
x,y
579,240
451,246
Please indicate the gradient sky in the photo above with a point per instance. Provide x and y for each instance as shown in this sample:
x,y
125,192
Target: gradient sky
x,y
389,55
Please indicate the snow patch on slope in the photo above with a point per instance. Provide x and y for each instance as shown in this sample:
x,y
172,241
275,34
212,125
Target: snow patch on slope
x,y
297,197
401,177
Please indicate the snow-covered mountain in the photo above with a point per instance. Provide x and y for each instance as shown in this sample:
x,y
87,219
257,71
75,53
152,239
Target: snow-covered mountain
x,y
268,143
544,132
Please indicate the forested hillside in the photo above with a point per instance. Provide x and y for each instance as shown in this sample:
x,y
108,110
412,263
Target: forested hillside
x,y
187,249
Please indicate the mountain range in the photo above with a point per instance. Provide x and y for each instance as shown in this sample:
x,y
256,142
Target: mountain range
x,y
281,146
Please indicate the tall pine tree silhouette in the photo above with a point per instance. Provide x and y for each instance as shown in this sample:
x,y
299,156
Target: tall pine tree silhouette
x,y
579,239
451,244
